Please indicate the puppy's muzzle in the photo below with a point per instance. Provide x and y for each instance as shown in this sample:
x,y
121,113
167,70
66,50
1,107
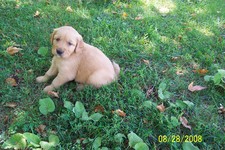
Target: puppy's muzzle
x,y
59,52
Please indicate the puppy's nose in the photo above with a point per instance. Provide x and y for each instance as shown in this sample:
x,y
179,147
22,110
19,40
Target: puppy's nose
x,y
59,51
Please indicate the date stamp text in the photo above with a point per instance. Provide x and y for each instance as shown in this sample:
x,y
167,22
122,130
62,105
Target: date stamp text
x,y
180,138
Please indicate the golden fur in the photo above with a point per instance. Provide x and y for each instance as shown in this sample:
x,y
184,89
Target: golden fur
x,y
76,60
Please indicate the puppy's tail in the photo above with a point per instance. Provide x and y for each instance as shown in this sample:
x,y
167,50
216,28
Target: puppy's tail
x,y
116,68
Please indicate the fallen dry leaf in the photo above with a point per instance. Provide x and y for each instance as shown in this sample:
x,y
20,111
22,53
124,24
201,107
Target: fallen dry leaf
x,y
40,129
180,37
99,108
69,9
145,61
201,71
180,72
37,14
138,18
221,109
6,119
145,121
184,122
195,88
175,58
114,12
53,94
11,81
119,112
12,50
161,107
10,104
124,15
149,91
188,29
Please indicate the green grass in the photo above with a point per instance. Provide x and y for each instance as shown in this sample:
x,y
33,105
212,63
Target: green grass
x,y
192,30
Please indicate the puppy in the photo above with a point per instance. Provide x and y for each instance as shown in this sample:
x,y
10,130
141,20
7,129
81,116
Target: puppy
x,y
76,60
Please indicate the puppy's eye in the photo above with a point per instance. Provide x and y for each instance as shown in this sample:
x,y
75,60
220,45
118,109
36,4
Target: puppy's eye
x,y
57,39
69,43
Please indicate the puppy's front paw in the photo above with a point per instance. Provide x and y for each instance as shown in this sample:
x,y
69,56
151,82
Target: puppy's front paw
x,y
48,88
41,79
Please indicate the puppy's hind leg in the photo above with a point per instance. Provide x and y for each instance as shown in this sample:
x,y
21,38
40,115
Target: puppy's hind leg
x,y
100,78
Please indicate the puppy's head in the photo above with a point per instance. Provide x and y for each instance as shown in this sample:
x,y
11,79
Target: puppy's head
x,y
65,41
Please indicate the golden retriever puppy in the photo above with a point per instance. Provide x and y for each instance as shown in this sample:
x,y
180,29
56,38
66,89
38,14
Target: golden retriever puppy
x,y
76,60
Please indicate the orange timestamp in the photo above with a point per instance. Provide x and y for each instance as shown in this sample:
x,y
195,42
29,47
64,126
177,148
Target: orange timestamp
x,y
180,138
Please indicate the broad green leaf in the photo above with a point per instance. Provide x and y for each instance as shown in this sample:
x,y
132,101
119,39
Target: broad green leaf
x,y
189,104
96,117
68,105
162,86
172,104
208,78
53,139
104,148
141,146
16,141
148,104
79,109
85,116
217,78
166,94
222,72
119,137
46,145
32,139
160,93
181,104
43,51
97,143
46,106
189,146
133,139
174,121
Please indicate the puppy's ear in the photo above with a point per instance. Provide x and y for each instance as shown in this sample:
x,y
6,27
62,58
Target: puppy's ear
x,y
52,35
80,44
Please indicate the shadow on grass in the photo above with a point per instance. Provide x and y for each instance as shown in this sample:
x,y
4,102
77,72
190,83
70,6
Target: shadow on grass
x,y
162,31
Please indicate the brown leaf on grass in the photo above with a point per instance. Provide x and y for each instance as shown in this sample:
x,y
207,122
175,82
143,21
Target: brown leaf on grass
x,y
145,61
37,14
12,50
119,113
69,9
188,29
114,12
41,129
138,18
99,108
11,81
184,122
221,109
149,91
145,121
195,88
175,58
53,94
10,104
180,37
6,119
161,107
201,71
124,15
180,72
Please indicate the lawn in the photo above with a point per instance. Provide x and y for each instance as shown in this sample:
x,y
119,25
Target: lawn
x,y
161,47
